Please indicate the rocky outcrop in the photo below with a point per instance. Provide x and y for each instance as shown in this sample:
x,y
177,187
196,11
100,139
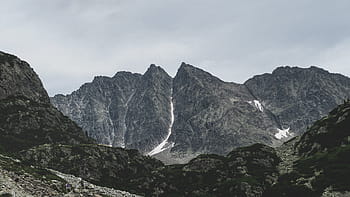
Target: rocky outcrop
x,y
17,78
27,117
330,132
299,96
244,172
101,165
17,179
25,123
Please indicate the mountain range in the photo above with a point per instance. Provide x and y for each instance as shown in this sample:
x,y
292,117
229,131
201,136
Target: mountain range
x,y
176,119
44,153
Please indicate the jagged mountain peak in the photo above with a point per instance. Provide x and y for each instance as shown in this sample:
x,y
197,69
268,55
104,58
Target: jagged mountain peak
x,y
285,70
188,72
125,74
184,67
154,70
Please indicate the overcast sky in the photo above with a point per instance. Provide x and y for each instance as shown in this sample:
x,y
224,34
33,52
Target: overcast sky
x,y
68,42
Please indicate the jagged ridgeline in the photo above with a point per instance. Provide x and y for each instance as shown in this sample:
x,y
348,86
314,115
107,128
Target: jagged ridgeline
x,y
177,118
26,116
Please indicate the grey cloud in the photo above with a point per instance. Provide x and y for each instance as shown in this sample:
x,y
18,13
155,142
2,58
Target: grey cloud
x,y
70,41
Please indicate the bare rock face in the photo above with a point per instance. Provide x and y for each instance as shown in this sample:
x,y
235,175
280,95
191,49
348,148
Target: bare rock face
x,y
177,119
17,78
127,110
212,116
298,96
100,107
148,117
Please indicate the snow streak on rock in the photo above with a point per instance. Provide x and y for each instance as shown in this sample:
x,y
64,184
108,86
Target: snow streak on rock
x,y
283,133
257,104
165,144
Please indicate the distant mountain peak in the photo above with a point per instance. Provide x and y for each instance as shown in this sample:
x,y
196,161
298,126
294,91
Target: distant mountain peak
x,y
188,71
294,69
124,73
188,67
155,71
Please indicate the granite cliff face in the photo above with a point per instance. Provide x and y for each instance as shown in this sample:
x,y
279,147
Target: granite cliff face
x,y
298,96
99,112
212,116
177,119
127,110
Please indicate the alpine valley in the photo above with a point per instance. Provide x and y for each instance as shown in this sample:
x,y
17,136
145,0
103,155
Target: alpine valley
x,y
279,134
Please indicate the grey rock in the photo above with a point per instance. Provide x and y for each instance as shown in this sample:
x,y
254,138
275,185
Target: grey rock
x,y
27,117
17,78
210,115
213,116
100,107
300,96
127,110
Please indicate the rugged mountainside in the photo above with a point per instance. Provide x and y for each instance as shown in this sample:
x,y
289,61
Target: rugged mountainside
x,y
18,78
212,116
127,110
314,164
322,164
99,112
297,96
101,165
244,172
177,119
18,179
300,167
26,116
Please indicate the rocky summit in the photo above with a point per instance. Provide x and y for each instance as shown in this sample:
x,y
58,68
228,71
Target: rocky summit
x,y
175,119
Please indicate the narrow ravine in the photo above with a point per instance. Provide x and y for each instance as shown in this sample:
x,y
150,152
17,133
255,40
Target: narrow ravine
x,y
162,146
124,128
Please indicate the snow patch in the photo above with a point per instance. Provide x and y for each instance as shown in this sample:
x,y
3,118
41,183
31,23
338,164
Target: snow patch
x,y
283,133
165,144
257,104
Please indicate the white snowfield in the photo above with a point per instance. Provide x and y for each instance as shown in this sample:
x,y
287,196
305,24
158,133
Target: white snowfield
x,y
165,144
257,104
283,133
